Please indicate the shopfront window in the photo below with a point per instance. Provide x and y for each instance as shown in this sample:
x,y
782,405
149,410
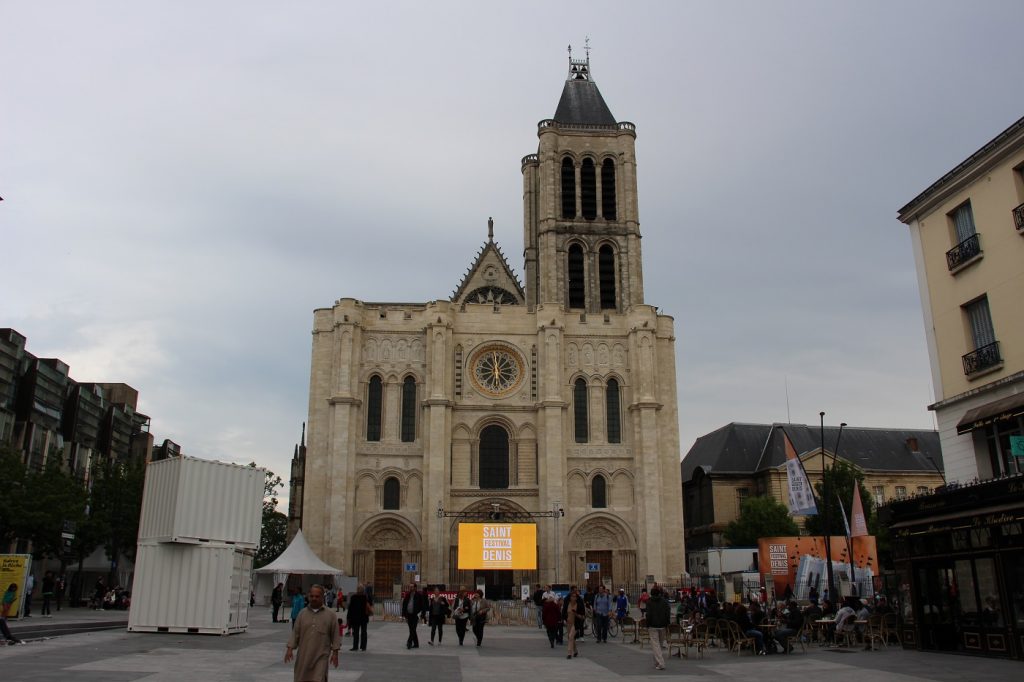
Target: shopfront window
x,y
1000,454
988,593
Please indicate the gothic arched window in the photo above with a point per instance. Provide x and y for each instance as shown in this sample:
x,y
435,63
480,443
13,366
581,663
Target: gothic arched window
x,y
568,188
579,405
374,405
588,189
606,276
494,457
577,298
598,492
392,493
408,410
608,189
613,420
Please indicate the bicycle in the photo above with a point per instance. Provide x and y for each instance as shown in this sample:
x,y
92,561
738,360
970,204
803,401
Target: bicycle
x,y
613,625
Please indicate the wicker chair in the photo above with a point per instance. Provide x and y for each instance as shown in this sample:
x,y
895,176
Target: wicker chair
x,y
891,628
873,632
740,639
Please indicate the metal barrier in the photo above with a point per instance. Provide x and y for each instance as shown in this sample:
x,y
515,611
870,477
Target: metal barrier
x,y
506,612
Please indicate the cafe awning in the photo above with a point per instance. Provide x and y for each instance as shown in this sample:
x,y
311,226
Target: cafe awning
x,y
1004,408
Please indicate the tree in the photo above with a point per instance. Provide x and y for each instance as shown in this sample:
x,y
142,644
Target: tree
x,y
116,504
840,478
760,517
52,500
12,474
274,531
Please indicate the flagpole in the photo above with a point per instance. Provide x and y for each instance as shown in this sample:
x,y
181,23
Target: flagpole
x,y
829,585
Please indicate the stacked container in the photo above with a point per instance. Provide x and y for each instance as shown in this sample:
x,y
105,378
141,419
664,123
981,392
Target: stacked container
x,y
198,533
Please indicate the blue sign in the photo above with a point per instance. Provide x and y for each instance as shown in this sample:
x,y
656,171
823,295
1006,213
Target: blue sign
x,y
594,568
1017,446
410,568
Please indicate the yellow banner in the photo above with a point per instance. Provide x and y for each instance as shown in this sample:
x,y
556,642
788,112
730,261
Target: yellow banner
x,y
497,545
14,570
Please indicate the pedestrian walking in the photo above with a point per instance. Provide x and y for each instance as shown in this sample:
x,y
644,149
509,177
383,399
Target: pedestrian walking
x,y
298,603
538,601
315,638
358,617
30,585
602,613
49,585
552,619
414,608
62,583
658,616
276,599
575,615
440,609
463,607
9,598
480,612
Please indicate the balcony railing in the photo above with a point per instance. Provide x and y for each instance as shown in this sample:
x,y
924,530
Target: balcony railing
x,y
1018,218
982,358
963,252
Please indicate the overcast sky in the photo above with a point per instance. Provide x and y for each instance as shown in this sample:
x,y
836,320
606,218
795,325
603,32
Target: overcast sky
x,y
184,182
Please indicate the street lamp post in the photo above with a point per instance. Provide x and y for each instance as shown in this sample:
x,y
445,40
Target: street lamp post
x,y
829,585
554,515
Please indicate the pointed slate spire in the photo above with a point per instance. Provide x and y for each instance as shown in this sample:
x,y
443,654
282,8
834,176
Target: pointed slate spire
x,y
581,102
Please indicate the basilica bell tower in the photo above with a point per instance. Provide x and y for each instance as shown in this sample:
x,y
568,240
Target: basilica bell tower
x,y
581,221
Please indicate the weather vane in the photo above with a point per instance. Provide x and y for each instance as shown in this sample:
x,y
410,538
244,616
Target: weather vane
x,y
586,47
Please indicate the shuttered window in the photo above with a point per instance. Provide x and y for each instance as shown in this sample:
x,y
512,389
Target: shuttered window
x,y
577,298
613,420
579,400
568,188
608,190
374,404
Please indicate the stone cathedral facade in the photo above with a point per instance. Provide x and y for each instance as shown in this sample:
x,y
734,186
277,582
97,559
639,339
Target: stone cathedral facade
x,y
559,394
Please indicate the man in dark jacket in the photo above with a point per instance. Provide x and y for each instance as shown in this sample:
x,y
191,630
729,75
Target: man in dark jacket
x,y
658,616
414,607
276,599
538,601
357,616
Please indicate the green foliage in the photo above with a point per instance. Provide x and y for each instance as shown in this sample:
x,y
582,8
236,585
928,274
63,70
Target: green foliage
x,y
839,481
116,504
51,498
274,533
760,517
273,539
12,481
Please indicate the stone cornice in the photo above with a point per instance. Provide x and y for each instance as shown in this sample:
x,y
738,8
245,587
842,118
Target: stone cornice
x,y
344,400
430,402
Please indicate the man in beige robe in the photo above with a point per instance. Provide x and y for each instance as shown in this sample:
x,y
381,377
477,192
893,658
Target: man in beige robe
x,y
315,636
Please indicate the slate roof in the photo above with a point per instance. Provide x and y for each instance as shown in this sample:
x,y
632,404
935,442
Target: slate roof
x,y
738,448
582,104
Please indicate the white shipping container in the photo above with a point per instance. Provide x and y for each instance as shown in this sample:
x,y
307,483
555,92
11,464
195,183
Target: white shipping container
x,y
191,588
196,500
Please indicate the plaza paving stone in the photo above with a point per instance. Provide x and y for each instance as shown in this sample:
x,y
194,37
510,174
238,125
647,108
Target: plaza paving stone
x,y
509,654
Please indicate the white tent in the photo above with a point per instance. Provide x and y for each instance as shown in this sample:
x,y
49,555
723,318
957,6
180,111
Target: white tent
x,y
297,559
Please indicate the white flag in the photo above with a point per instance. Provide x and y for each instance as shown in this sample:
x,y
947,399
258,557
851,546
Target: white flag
x,y
801,498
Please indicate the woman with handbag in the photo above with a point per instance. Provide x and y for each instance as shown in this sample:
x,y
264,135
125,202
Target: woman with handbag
x,y
439,612
463,606
481,609
358,615
575,615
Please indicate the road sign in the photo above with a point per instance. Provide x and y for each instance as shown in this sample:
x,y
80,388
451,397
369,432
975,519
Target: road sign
x,y
411,568
594,568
